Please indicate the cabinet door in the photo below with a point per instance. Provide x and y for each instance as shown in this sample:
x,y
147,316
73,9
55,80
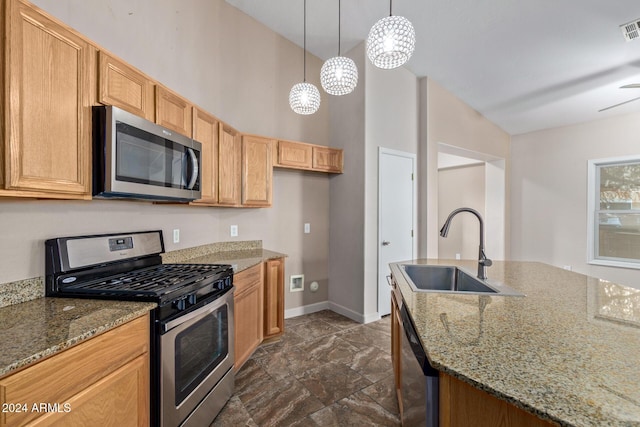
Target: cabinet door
x,y
124,87
205,131
50,79
274,298
229,162
327,159
120,399
396,342
294,155
173,111
248,303
257,171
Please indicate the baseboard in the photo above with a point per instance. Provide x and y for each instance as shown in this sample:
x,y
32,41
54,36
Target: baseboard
x,y
326,305
306,309
358,317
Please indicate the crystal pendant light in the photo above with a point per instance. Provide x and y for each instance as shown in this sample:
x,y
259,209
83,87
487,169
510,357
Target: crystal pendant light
x,y
391,41
339,75
304,97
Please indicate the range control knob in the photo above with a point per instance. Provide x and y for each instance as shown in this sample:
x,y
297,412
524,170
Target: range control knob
x,y
191,299
180,304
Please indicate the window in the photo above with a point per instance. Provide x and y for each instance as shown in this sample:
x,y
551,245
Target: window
x,y
614,212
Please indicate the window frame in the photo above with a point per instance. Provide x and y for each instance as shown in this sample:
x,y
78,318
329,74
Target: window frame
x,y
593,211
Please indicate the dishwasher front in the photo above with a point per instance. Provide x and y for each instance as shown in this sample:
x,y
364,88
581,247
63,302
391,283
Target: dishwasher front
x,y
419,384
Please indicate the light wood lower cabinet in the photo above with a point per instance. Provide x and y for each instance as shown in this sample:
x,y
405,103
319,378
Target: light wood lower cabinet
x,y
257,171
274,298
102,381
462,405
49,79
248,313
396,343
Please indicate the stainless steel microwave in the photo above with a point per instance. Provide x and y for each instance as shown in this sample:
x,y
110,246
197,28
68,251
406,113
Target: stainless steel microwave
x,y
134,158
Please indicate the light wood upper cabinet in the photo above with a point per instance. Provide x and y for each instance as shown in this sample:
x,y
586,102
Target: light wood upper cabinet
x,y
300,155
294,154
274,298
105,380
327,159
49,89
125,87
230,166
257,170
205,131
173,111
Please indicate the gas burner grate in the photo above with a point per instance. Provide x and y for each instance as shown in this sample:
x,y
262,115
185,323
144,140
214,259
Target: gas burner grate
x,y
156,280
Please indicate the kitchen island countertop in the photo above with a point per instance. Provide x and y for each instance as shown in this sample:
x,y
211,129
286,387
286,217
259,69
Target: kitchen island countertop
x,y
568,352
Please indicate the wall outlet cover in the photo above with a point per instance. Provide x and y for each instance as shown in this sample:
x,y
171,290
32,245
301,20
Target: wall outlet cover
x,y
234,231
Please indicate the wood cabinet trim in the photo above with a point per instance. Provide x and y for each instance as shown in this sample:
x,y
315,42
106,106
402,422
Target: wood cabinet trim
x,y
274,298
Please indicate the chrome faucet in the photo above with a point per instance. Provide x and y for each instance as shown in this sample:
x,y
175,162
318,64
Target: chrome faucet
x,y
483,261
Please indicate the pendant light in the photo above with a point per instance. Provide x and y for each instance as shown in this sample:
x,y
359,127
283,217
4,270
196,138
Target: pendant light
x,y
304,97
391,41
339,75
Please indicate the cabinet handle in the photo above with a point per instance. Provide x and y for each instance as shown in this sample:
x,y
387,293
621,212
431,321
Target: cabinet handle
x,y
386,243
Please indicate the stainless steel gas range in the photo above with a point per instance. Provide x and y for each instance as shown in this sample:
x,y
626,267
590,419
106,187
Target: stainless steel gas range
x,y
192,328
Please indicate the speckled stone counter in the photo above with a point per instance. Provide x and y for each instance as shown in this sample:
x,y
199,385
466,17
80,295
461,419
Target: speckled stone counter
x,y
39,328
568,352
241,255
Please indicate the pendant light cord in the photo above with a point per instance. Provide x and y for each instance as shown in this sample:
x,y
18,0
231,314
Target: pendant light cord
x,y
304,43
338,27
390,2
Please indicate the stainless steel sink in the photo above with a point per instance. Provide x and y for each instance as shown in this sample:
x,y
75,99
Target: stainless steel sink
x,y
450,279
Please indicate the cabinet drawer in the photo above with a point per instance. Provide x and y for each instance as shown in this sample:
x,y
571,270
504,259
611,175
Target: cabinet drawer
x,y
247,279
69,372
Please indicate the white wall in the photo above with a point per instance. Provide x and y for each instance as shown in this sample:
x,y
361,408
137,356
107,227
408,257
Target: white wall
x,y
549,191
237,69
444,119
381,113
457,187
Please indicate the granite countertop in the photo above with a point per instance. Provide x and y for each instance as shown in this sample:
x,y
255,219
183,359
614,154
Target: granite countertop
x,y
35,329
241,255
569,351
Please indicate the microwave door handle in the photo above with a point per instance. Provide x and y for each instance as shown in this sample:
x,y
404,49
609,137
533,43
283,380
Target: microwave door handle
x,y
194,169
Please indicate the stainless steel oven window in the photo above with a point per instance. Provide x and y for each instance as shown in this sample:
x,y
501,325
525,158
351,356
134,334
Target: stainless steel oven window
x,y
199,349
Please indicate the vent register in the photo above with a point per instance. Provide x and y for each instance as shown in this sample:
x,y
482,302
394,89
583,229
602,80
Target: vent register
x,y
631,30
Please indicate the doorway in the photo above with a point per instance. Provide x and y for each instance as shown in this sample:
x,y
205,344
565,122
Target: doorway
x,y
475,180
396,216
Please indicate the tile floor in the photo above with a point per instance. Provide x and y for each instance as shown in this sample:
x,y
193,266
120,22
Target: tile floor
x,y
327,370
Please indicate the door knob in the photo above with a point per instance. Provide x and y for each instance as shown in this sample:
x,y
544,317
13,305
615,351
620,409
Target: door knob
x,y
385,243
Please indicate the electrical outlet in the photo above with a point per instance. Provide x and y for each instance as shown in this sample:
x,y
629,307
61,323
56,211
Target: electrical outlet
x,y
457,256
234,231
307,228
176,235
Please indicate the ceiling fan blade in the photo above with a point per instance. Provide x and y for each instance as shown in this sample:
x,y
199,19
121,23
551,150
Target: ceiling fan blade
x,y
617,105
631,86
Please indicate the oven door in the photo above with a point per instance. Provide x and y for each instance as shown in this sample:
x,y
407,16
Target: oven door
x,y
196,352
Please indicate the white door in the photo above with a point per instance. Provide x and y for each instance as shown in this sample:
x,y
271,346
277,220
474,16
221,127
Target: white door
x,y
396,216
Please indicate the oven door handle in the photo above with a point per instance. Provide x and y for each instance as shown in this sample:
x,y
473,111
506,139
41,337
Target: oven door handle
x,y
201,312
